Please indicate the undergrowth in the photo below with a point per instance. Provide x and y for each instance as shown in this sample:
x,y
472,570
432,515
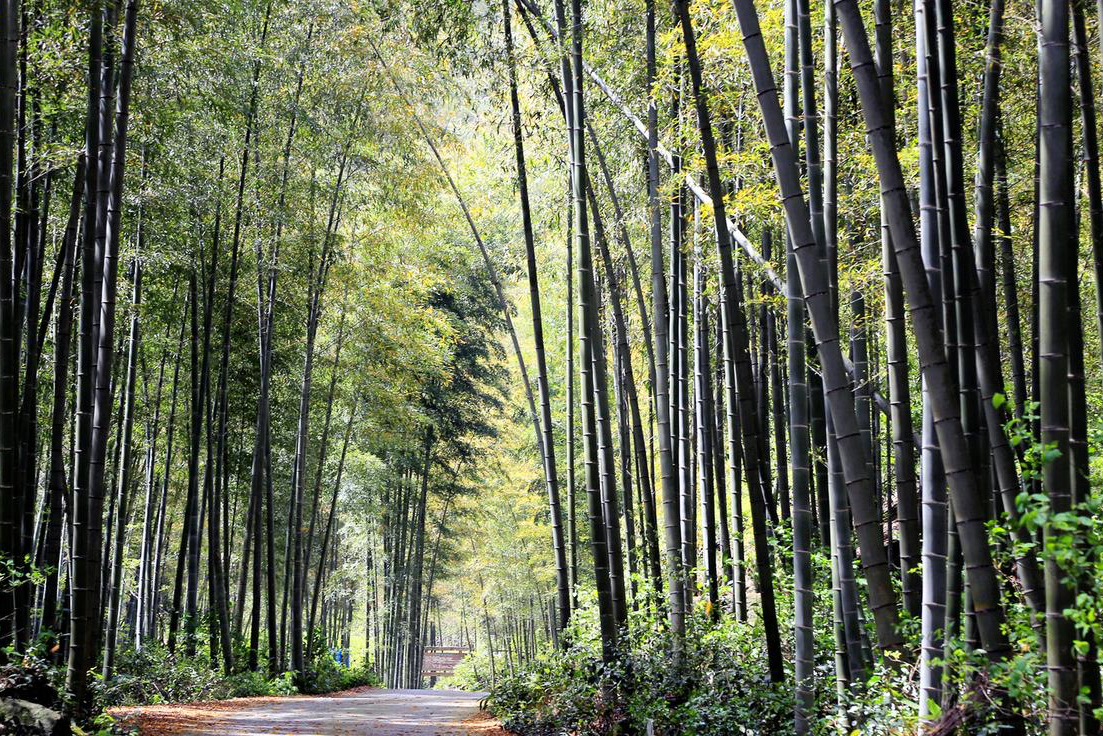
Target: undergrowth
x,y
721,685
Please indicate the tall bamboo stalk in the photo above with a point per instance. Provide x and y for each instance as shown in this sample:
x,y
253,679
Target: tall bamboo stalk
x,y
743,396
550,474
1055,222
854,459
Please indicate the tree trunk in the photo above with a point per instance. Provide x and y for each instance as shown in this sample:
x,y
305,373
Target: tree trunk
x,y
329,525
855,459
550,474
740,386
10,487
702,392
125,463
802,510
1010,287
672,532
1087,660
58,488
1056,219
589,340
81,607
111,188
932,482
323,442
965,495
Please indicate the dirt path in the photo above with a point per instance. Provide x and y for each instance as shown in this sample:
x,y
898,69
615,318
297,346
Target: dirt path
x,y
355,713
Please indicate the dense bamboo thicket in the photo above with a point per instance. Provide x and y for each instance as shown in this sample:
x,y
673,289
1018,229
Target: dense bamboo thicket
x,y
697,367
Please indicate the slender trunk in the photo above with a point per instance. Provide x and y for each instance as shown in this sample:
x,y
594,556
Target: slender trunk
x,y
10,486
191,511
219,599
968,503
145,549
589,340
295,555
802,510
719,459
323,442
680,383
634,419
980,283
36,191
1087,661
799,437
672,533
1056,219
650,519
111,188
702,390
123,475
201,419
737,346
624,456
607,467
855,460
58,488
1010,286
329,527
932,482
633,268
850,657
896,347
550,476
572,506
155,590
81,608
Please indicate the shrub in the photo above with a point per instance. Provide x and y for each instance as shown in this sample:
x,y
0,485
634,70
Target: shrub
x,y
153,676
722,686
30,679
326,675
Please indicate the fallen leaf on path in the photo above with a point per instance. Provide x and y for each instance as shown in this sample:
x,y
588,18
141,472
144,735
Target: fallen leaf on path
x,y
484,724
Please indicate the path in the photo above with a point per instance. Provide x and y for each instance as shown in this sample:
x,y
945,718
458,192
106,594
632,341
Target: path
x,y
360,712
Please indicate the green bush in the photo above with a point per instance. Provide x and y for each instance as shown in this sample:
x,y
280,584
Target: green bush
x,y
153,676
472,673
722,685
327,675
33,679
721,688
251,684
324,674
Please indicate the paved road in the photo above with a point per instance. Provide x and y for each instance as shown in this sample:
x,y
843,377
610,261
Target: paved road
x,y
374,712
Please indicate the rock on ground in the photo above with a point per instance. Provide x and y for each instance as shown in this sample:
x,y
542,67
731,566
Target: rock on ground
x,y
25,718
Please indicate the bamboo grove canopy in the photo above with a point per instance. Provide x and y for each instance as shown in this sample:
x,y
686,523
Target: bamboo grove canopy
x,y
551,330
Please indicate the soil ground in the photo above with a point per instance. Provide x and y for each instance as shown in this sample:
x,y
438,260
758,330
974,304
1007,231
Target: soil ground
x,y
359,712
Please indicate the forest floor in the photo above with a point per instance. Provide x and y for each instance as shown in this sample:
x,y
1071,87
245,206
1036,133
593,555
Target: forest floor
x,y
358,712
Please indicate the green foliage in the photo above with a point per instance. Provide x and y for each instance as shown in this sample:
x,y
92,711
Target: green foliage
x,y
722,686
105,724
31,678
325,674
153,676
248,684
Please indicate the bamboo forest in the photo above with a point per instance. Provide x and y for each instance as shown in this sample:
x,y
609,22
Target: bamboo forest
x,y
551,367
